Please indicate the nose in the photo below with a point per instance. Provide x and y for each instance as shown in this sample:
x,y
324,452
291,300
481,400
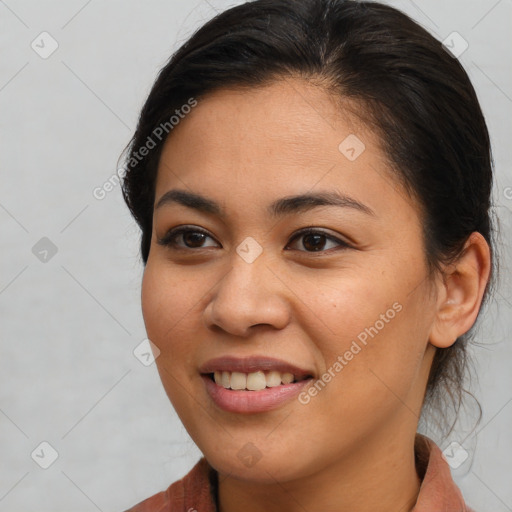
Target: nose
x,y
249,295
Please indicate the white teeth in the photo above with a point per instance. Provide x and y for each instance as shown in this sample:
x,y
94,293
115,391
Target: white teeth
x,y
238,380
253,381
273,379
256,381
287,378
226,376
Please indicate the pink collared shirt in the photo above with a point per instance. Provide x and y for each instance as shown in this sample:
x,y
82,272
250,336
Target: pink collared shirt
x,y
196,491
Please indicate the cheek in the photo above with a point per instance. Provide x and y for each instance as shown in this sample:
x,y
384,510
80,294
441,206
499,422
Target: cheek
x,y
154,305
371,332
344,309
168,311
167,308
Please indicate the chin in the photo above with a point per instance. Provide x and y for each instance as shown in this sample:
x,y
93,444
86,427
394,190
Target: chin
x,y
266,470
268,464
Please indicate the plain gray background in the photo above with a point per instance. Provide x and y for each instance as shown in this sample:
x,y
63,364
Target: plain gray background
x,y
71,319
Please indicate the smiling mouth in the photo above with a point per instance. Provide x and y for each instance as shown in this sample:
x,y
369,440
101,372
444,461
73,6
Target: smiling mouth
x,y
254,381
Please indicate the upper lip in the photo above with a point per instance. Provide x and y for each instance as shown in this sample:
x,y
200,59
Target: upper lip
x,y
252,364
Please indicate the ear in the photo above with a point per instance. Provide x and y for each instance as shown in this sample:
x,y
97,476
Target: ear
x,y
461,292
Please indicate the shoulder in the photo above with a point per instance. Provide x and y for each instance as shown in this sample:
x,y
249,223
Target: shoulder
x,y
438,490
194,491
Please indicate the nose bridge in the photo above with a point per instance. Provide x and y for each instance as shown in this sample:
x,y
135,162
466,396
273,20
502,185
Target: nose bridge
x,y
243,297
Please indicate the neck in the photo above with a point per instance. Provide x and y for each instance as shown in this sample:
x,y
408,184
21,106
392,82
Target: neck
x,y
379,475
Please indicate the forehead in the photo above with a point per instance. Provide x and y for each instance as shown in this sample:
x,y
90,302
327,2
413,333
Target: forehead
x,y
290,117
289,136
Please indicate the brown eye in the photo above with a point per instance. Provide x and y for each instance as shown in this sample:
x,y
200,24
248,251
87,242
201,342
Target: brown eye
x,y
314,240
192,238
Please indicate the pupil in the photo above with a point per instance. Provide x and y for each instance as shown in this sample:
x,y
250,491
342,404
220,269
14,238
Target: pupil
x,y
316,245
194,238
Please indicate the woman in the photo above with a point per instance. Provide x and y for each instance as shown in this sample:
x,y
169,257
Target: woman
x,y
312,180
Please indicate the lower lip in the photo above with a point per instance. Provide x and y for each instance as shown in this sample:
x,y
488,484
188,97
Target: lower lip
x,y
252,401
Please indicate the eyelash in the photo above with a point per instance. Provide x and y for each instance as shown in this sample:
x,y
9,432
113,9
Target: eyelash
x,y
169,239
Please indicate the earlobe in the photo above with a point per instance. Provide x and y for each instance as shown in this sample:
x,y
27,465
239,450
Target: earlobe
x,y
462,292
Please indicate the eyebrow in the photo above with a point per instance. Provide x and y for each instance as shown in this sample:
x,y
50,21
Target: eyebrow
x,y
280,207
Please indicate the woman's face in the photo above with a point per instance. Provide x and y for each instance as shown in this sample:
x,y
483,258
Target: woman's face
x,y
348,306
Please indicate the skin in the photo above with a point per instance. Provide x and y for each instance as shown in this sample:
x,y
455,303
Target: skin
x,y
351,446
